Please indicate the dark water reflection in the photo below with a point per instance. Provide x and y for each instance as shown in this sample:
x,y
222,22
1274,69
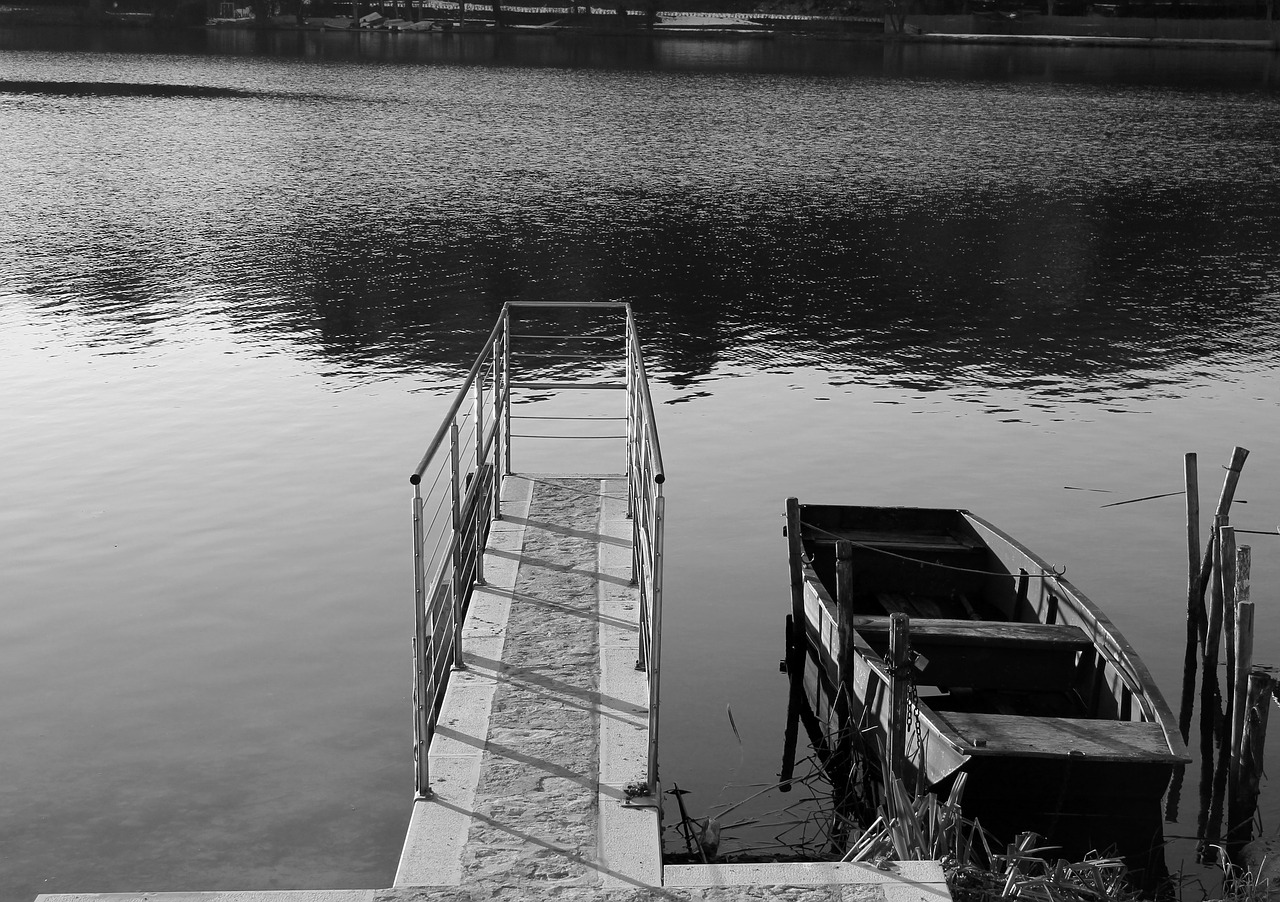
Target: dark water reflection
x,y
1084,297
237,270
1003,290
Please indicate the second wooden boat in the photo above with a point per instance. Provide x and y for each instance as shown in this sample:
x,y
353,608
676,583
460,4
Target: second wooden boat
x,y
1018,678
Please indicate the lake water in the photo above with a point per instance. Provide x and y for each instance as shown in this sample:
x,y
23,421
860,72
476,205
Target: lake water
x,y
230,320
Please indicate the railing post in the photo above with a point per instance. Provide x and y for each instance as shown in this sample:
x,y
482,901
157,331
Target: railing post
x,y
423,673
655,641
506,389
477,514
456,487
631,415
497,434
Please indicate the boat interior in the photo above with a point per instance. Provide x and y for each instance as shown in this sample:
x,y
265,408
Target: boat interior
x,y
994,632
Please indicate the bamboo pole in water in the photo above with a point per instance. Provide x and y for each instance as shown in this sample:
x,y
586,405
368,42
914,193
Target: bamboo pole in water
x,y
1228,575
1213,632
1228,495
1240,689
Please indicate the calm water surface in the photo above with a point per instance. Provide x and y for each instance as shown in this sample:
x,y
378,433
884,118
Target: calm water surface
x,y
230,320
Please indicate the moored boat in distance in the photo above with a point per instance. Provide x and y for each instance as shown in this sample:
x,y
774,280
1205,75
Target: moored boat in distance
x,y
1020,680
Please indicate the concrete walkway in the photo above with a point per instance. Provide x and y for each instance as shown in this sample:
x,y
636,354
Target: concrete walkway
x,y
540,736
544,730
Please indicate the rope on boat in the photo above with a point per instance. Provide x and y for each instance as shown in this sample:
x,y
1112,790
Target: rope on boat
x,y
1054,572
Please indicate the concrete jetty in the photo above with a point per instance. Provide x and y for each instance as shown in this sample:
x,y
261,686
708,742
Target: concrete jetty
x,y
541,742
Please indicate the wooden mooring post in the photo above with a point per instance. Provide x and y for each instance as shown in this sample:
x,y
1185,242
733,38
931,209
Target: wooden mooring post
x,y
844,613
795,548
899,690
1243,657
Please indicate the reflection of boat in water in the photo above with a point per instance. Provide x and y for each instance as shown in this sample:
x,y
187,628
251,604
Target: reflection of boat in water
x,y
1021,681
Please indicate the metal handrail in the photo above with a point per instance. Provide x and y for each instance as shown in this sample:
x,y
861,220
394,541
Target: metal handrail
x,y
458,400
448,551
659,475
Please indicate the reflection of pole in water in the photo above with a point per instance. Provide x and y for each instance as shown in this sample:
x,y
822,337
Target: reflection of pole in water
x,y
838,751
1207,827
794,666
1237,805
1185,711
1261,685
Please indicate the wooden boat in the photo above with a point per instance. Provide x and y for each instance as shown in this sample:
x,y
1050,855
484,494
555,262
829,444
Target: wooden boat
x,y
1022,681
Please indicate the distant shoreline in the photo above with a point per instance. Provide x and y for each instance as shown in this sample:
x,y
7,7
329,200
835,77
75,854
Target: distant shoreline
x,y
1043,31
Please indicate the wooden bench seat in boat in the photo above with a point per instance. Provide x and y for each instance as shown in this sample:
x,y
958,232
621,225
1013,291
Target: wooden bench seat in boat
x,y
987,654
1058,737
897,541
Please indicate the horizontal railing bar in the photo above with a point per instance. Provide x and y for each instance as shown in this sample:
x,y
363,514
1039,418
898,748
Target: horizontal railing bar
x,y
440,555
568,337
434,520
464,394
566,355
573,437
603,305
593,420
569,386
439,473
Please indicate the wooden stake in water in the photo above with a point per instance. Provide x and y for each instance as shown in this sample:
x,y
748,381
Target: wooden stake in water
x,y
1213,632
1227,572
1240,677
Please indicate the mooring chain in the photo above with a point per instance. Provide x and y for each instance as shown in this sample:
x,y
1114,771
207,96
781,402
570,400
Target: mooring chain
x,y
913,696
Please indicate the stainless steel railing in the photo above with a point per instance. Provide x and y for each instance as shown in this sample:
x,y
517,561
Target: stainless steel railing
x,y
457,491
647,509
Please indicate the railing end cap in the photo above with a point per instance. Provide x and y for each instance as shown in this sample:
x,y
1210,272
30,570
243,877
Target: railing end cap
x,y
659,478
415,479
